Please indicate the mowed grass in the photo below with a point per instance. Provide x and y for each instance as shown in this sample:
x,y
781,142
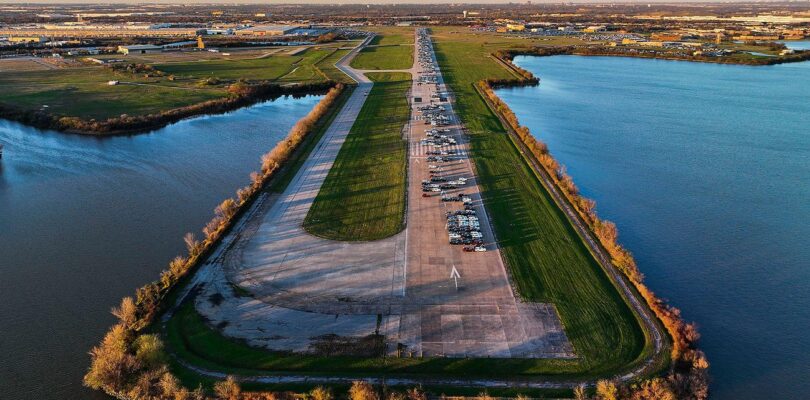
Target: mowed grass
x,y
269,68
545,255
363,197
84,92
327,66
384,57
387,51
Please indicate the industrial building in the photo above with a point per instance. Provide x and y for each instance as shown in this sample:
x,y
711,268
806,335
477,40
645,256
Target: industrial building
x,y
267,30
139,49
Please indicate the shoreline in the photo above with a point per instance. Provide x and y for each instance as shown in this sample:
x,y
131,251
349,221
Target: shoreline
x,y
651,362
509,54
148,123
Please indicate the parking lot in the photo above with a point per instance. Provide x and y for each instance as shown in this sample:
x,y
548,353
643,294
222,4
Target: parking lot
x,y
459,301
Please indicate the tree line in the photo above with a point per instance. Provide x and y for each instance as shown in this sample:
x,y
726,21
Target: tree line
x,y
240,94
132,364
688,375
601,50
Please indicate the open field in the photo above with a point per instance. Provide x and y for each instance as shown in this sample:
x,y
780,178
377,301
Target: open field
x,y
391,49
547,259
363,197
291,68
387,35
384,57
82,90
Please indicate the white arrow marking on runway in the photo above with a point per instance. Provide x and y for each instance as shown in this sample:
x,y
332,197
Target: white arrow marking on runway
x,y
455,275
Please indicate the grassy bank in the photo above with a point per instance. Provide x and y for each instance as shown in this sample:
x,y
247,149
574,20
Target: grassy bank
x,y
287,172
363,197
547,259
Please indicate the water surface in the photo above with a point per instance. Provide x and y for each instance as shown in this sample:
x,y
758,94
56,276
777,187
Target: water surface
x,y
84,221
706,170
797,44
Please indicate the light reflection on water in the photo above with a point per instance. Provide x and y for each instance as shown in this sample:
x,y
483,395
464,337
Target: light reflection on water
x,y
85,220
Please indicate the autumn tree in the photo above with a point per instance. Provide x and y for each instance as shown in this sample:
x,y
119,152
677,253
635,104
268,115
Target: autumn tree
x,y
228,389
579,393
321,393
149,351
192,244
111,363
362,390
606,390
416,394
127,312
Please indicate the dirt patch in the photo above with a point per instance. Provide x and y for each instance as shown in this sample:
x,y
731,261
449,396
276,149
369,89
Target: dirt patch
x,y
334,345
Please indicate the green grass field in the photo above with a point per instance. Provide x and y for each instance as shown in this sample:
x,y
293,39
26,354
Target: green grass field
x,y
363,197
384,57
291,68
393,37
546,257
84,92
388,50
327,66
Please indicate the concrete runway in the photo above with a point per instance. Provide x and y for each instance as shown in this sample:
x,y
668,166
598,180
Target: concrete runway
x,y
480,318
302,287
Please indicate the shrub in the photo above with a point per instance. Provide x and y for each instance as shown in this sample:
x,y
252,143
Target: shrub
x,y
228,389
361,390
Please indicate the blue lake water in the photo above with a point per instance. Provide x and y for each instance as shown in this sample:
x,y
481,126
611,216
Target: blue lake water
x,y
797,44
84,221
706,171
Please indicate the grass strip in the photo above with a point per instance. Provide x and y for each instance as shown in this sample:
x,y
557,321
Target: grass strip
x,y
384,57
363,197
547,259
